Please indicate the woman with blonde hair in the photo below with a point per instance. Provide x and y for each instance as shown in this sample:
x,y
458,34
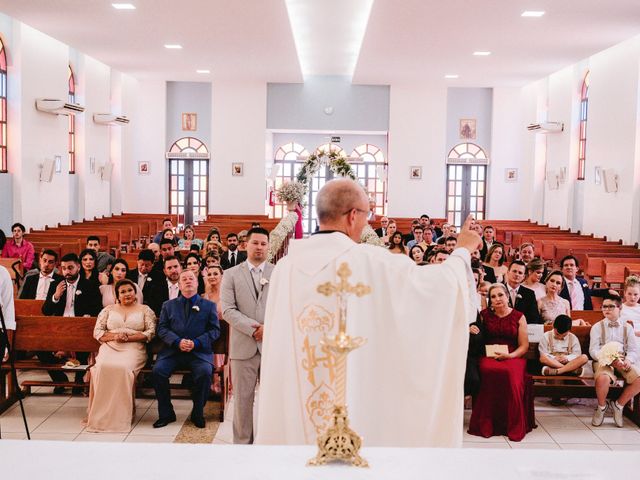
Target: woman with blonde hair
x,y
631,308
535,271
213,281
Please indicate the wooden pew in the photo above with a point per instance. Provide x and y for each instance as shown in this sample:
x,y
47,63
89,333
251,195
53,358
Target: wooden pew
x,y
614,272
590,316
42,333
26,308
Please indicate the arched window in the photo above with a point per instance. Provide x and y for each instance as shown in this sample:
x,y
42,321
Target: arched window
x,y
3,108
288,161
189,179
72,124
370,173
466,183
582,145
331,147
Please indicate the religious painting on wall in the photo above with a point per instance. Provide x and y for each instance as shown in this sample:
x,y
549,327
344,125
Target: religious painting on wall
x,y
415,173
468,129
510,175
143,168
189,122
237,169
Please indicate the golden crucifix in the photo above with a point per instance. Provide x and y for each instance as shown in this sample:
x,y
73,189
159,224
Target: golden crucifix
x,y
339,442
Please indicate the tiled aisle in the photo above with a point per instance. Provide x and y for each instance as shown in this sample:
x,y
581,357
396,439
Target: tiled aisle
x,y
53,417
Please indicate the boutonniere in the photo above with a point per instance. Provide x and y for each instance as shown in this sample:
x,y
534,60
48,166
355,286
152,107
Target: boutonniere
x,y
195,308
584,285
519,296
263,281
78,292
148,279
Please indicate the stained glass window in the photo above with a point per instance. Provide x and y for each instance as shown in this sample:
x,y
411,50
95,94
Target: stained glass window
x,y
72,124
582,144
3,109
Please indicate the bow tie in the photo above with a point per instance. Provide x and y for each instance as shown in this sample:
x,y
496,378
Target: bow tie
x,y
614,324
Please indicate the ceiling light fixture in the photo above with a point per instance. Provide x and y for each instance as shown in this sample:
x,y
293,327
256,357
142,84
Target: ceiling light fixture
x,y
123,6
482,53
451,76
203,71
173,46
532,13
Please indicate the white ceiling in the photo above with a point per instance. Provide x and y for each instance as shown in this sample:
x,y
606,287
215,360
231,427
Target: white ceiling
x,y
405,40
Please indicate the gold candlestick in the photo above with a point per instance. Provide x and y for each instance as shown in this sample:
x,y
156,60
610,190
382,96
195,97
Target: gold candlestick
x,y
339,442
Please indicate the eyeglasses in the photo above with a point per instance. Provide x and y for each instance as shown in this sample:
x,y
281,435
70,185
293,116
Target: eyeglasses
x,y
609,307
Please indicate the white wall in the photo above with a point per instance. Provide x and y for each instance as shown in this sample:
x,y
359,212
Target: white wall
x,y
145,103
239,114
417,137
508,132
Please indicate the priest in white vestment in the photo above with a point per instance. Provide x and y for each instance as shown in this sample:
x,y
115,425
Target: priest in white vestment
x,y
405,385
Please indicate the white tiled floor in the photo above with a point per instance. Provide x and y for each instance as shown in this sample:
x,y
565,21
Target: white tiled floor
x,y
55,417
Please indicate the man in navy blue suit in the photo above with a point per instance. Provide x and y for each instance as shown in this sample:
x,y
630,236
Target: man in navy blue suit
x,y
188,327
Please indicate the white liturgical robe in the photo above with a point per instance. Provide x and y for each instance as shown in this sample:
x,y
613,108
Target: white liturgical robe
x,y
405,385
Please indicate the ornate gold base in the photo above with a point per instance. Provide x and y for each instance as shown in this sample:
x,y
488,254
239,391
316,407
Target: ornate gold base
x,y
339,442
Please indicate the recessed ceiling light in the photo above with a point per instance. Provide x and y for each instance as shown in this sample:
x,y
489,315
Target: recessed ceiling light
x,y
123,6
173,46
451,76
203,71
532,13
482,53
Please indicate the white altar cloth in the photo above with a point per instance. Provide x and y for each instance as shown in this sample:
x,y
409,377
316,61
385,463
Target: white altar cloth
x,y
110,461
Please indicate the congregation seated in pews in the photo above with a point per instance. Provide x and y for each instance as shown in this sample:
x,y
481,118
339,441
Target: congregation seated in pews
x,y
76,273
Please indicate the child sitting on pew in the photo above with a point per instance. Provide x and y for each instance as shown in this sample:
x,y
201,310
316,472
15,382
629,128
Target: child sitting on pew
x,y
560,351
630,311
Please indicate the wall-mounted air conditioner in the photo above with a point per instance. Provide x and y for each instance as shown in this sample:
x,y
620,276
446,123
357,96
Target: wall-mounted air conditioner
x,y
546,127
110,119
58,107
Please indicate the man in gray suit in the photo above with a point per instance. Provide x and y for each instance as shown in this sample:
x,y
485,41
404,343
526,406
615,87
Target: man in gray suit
x,y
243,298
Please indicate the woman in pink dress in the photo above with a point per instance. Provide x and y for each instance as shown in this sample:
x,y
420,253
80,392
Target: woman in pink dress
x,y
504,404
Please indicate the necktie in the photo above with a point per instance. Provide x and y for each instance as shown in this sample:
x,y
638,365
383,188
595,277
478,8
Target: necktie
x,y
513,297
233,259
255,276
142,278
614,324
573,294
173,291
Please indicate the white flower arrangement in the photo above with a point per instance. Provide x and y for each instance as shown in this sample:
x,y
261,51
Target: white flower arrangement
x,y
610,352
291,192
263,281
370,236
279,234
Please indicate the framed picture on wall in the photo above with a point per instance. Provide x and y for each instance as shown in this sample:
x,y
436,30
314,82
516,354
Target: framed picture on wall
x,y
415,173
237,169
189,122
511,175
143,168
468,129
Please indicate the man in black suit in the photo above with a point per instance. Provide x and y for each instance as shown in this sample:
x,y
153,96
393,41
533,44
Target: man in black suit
x,y
166,287
232,256
522,298
71,296
488,239
37,282
143,277
382,231
576,289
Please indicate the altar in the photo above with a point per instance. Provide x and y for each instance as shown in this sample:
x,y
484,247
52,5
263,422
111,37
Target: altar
x,y
108,461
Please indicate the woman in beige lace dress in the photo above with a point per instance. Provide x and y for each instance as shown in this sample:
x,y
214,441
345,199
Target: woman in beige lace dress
x,y
552,304
122,329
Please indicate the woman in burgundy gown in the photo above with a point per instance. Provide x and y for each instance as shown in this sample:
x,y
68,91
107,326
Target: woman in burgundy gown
x,y
504,404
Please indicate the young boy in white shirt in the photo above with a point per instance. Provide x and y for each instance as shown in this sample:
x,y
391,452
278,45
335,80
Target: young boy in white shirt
x,y
560,351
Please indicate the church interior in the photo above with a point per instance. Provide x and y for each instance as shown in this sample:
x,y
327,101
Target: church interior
x,y
118,117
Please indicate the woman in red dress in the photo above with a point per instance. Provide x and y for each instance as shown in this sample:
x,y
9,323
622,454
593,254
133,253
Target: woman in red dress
x,y
504,404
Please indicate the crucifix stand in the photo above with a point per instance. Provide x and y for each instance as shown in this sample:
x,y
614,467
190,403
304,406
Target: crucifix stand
x,y
339,442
